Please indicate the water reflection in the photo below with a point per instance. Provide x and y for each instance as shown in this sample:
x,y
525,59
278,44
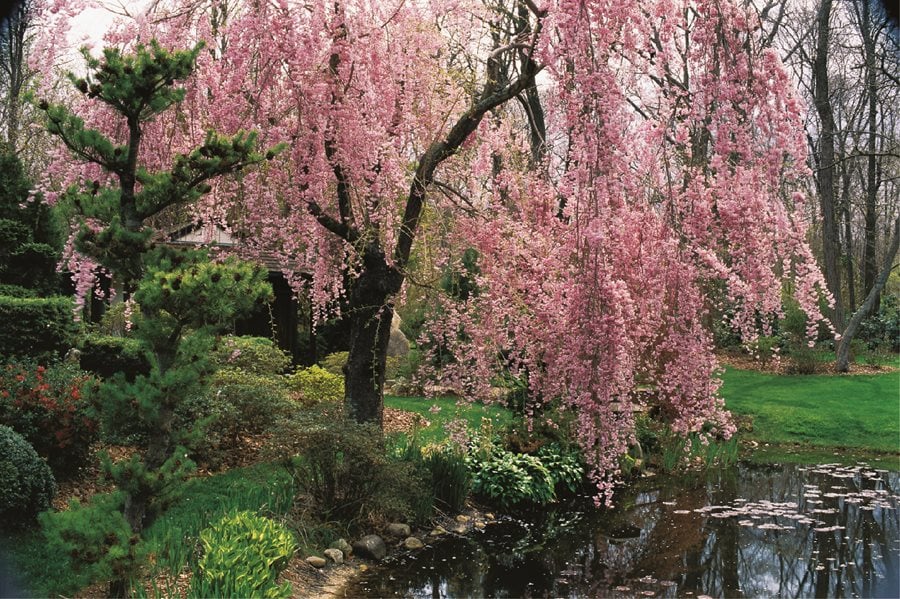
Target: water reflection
x,y
789,531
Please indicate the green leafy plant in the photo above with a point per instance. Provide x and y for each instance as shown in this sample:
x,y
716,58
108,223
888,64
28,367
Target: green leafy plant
x,y
505,478
564,465
26,484
52,409
256,355
511,479
315,385
450,477
243,554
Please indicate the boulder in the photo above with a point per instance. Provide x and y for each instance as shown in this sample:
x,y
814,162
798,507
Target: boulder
x,y
371,547
343,546
335,555
413,543
398,529
316,562
398,345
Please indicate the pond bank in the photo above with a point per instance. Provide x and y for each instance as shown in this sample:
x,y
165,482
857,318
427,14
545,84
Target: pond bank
x,y
748,531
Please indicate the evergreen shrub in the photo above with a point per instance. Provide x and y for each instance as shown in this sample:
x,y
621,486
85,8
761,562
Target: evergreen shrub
x,y
27,485
93,542
235,403
106,355
40,328
256,355
315,384
334,362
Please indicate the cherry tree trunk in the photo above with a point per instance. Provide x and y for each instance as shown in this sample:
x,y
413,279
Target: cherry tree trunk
x,y
371,313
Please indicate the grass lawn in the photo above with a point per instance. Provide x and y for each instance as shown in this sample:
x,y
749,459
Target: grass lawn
x,y
449,410
860,412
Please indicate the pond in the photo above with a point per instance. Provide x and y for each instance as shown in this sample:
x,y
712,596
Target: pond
x,y
750,531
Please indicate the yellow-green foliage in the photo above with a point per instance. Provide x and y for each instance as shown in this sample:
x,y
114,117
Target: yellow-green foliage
x,y
334,363
243,553
252,354
315,384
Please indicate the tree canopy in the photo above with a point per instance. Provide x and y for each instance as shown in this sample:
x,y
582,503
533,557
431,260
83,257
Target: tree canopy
x,y
626,172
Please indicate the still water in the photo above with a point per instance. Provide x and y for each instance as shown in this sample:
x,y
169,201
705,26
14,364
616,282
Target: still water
x,y
751,531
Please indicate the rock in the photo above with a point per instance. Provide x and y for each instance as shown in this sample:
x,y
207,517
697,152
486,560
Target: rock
x,y
398,529
413,543
398,344
335,555
316,562
371,547
343,546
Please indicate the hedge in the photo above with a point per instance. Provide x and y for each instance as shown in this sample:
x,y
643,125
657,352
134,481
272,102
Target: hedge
x,y
40,328
105,355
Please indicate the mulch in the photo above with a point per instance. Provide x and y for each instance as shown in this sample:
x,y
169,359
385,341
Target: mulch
x,y
782,365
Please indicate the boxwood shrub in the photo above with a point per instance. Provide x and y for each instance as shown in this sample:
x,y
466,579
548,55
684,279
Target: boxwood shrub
x,y
26,484
39,328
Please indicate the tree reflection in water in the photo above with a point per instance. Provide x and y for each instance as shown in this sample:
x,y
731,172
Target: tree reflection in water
x,y
788,531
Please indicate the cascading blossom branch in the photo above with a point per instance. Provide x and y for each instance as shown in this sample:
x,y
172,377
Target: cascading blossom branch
x,y
683,144
674,147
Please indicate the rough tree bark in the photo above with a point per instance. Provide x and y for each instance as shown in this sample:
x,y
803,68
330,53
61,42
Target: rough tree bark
x,y
870,266
371,294
826,167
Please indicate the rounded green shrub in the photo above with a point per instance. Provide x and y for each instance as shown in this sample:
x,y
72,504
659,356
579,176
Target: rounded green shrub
x,y
26,483
105,355
243,553
235,403
315,384
23,316
251,354
335,362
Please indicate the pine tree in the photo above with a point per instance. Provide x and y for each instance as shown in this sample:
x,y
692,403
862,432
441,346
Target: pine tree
x,y
184,299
